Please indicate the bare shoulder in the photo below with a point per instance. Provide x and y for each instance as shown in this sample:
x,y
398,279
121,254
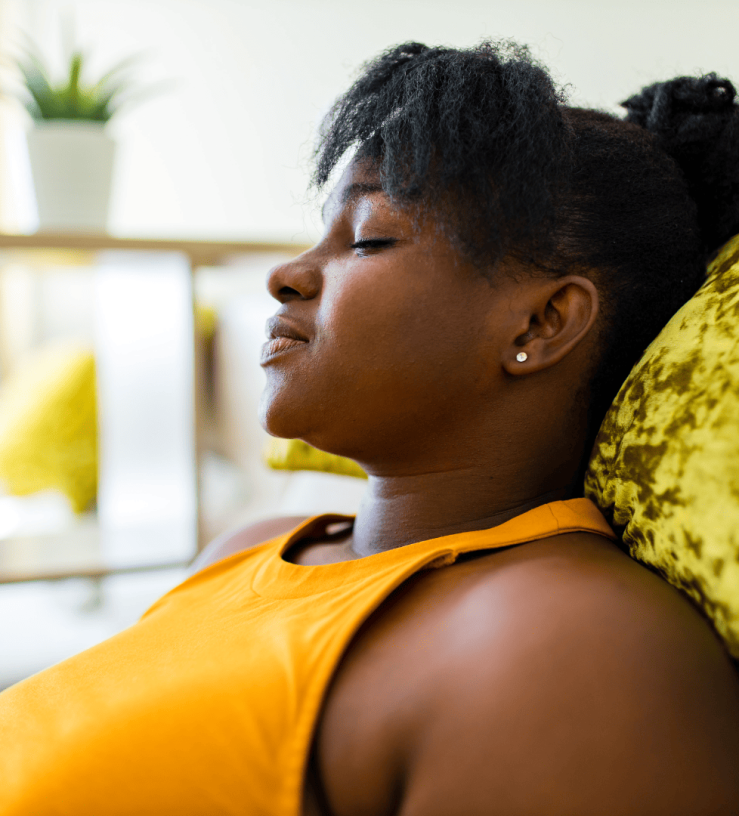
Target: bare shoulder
x,y
559,677
592,683
234,541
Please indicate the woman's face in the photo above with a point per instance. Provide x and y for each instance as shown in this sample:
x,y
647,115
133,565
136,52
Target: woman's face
x,y
386,338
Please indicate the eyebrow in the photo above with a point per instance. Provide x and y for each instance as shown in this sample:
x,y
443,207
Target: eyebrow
x,y
353,192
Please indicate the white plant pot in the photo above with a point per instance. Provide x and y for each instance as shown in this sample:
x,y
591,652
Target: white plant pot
x,y
72,167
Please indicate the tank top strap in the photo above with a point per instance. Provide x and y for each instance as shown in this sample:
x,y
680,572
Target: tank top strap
x,y
544,521
278,578
555,518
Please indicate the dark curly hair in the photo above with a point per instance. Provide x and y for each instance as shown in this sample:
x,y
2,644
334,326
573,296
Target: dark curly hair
x,y
485,139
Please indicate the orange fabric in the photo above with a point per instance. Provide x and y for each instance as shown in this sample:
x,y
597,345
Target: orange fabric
x,y
207,705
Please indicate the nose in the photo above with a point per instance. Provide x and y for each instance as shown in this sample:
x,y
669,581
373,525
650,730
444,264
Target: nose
x,y
299,279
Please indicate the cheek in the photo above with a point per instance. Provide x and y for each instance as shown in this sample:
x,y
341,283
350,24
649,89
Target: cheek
x,y
400,354
376,328
380,354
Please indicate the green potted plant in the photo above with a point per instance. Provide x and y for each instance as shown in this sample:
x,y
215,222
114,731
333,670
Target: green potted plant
x,y
71,152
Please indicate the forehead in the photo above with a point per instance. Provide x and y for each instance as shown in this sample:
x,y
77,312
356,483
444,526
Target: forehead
x,y
357,182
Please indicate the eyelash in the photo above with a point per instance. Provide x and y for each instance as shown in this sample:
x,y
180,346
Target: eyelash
x,y
373,243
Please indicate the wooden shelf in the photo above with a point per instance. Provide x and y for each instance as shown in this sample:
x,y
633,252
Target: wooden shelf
x,y
74,551
201,253
11,577
77,552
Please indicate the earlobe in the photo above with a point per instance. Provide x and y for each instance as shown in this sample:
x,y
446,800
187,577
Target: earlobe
x,y
562,313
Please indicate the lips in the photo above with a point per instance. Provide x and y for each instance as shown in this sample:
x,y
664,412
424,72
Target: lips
x,y
282,337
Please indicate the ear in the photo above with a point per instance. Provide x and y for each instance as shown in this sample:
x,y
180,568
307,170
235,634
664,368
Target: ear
x,y
559,315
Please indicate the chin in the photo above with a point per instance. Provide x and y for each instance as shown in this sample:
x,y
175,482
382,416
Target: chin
x,y
355,427
272,419
283,416
288,419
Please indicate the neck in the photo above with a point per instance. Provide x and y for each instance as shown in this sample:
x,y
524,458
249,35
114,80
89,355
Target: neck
x,y
471,479
402,510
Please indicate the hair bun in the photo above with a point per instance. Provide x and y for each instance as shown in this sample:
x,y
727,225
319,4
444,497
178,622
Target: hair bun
x,y
683,109
695,121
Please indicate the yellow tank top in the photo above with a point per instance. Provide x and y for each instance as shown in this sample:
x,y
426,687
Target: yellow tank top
x,y
208,704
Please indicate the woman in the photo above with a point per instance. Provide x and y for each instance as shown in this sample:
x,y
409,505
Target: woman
x,y
474,642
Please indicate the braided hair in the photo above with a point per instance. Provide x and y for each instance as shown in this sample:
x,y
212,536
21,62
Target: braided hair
x,y
485,140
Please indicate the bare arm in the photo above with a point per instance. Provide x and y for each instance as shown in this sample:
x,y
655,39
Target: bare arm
x,y
591,701
234,541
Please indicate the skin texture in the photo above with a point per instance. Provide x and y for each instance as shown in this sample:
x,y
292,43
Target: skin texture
x,y
558,677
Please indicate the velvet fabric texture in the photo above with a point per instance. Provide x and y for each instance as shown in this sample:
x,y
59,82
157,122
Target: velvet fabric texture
x,y
664,469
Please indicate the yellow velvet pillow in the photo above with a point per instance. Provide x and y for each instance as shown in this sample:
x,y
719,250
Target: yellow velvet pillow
x,y
48,425
665,466
294,454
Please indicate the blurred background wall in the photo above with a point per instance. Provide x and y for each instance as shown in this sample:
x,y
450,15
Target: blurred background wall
x,y
224,153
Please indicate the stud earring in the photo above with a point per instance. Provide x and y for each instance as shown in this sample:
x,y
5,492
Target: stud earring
x,y
522,356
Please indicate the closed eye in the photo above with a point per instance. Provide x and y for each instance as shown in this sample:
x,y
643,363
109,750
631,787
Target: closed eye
x,y
364,247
